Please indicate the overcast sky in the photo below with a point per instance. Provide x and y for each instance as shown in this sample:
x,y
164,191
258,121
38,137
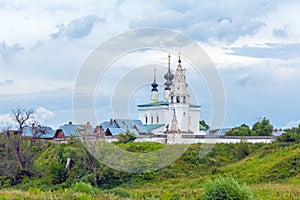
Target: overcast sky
x,y
255,46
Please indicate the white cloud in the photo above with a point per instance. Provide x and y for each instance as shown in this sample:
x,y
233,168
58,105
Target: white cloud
x,y
42,115
79,27
248,41
6,121
293,123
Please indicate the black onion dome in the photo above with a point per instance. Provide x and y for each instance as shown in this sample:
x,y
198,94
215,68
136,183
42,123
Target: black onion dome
x,y
154,89
154,86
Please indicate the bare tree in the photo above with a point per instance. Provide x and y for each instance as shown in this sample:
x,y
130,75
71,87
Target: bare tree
x,y
21,116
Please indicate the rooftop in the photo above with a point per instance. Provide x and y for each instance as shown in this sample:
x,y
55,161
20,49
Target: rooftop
x,y
163,103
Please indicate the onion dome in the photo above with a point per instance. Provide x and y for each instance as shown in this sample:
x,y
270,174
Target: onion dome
x,y
154,85
168,76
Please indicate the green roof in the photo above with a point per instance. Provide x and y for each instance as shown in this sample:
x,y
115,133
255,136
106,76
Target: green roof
x,y
194,105
150,127
162,103
159,103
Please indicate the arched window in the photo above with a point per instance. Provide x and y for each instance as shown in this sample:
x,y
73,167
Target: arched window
x,y
172,99
157,119
146,119
184,99
151,119
177,99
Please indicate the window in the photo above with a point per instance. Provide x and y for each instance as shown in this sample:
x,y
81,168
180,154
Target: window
x,y
157,119
177,99
172,99
151,119
184,99
146,119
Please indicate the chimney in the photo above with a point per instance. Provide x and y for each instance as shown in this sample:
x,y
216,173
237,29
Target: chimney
x,y
111,121
70,123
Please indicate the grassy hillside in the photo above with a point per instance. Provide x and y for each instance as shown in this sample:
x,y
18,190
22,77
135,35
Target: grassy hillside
x,y
271,170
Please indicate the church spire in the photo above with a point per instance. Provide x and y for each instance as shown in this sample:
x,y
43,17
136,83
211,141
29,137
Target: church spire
x,y
154,84
169,63
154,88
168,76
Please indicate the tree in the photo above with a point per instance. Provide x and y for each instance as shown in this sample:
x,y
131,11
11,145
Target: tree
x,y
21,116
291,135
242,130
263,128
127,137
203,125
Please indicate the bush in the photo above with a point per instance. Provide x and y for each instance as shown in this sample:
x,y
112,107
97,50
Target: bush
x,y
83,187
127,137
225,188
120,192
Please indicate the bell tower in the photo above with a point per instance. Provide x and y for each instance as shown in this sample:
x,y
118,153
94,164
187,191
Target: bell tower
x,y
180,98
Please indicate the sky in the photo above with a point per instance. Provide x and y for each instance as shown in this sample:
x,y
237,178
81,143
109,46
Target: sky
x,y
255,46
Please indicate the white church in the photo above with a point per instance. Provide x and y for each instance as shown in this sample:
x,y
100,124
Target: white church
x,y
175,113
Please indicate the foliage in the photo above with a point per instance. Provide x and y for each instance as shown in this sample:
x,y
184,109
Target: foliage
x,y
83,187
242,130
252,163
204,125
119,192
291,135
263,128
127,137
225,188
58,173
242,149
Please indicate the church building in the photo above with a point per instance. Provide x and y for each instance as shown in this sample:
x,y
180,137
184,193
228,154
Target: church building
x,y
175,113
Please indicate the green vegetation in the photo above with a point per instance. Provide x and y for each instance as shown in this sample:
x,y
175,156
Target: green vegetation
x,y
242,130
203,125
127,137
225,188
263,128
292,135
271,171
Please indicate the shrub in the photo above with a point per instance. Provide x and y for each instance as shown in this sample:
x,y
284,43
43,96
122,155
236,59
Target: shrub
x,y
120,192
127,137
82,187
225,188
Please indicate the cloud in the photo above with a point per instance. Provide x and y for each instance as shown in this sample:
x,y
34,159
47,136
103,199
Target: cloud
x,y
282,33
6,121
6,51
78,28
206,21
293,123
245,80
41,114
271,50
6,82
